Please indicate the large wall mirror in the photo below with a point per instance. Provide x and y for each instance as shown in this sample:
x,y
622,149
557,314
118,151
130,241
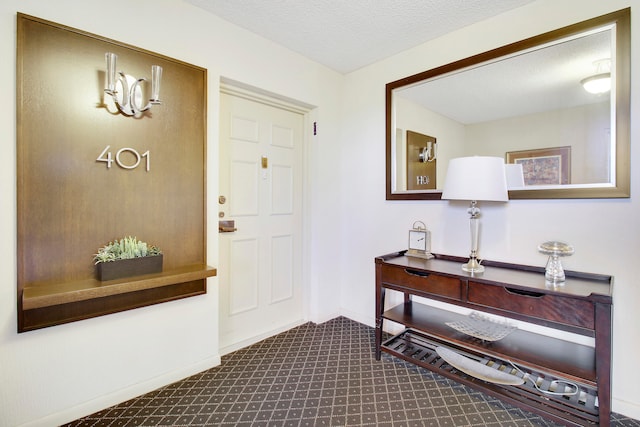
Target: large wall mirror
x,y
525,102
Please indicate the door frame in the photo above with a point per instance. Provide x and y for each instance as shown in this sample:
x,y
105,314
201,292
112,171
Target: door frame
x,y
235,88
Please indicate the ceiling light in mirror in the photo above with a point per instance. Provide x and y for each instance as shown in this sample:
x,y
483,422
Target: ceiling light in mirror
x,y
601,81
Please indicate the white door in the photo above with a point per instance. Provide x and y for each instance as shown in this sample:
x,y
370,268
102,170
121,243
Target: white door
x,y
260,271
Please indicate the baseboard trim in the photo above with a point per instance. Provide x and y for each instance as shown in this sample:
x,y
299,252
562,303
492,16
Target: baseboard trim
x,y
122,395
358,317
324,318
255,339
628,409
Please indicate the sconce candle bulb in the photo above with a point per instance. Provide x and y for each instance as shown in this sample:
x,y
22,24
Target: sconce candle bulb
x,y
156,77
111,58
126,90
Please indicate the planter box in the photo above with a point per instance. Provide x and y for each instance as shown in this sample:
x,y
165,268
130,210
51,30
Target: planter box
x,y
129,267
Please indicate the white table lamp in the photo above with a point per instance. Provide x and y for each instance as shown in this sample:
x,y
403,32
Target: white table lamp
x,y
476,178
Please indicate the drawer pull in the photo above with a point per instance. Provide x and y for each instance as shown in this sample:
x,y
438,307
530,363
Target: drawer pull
x,y
524,293
417,272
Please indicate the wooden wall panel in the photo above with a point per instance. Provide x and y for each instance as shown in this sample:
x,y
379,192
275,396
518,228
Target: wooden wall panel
x,y
69,203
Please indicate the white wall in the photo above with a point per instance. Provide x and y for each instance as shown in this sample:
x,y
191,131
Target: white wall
x,y
57,374
605,233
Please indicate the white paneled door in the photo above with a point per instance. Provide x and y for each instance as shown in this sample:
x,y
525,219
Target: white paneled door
x,y
260,269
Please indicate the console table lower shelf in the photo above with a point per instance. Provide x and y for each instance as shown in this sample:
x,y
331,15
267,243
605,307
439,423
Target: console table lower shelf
x,y
420,349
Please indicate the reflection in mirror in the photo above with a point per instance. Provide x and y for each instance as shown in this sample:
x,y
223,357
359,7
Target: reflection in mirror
x,y
526,103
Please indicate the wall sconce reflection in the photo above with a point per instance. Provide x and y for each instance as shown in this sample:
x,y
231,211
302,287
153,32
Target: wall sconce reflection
x,y
428,153
126,90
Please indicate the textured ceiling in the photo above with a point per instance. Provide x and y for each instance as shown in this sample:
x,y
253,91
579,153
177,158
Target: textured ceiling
x,y
349,34
346,35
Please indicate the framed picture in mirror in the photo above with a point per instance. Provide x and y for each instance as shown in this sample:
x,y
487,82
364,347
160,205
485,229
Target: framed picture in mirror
x,y
543,166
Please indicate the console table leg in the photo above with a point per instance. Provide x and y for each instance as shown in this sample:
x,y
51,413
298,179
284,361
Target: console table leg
x,y
603,361
380,294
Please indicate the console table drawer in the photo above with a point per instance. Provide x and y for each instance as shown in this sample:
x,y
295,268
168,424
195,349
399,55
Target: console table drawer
x,y
555,308
420,281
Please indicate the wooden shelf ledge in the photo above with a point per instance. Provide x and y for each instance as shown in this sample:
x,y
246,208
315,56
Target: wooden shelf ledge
x,y
52,294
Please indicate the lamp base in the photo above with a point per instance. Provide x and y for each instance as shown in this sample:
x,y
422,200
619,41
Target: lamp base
x,y
473,266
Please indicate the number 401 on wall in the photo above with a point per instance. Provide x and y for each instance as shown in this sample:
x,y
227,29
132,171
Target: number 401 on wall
x,y
107,157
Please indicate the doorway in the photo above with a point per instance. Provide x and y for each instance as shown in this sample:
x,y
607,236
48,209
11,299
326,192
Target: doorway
x,y
261,192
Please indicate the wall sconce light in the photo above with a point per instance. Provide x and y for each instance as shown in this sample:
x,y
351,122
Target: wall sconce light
x,y
125,89
601,81
428,153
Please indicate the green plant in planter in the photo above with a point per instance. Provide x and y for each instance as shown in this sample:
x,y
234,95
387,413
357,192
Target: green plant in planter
x,y
125,248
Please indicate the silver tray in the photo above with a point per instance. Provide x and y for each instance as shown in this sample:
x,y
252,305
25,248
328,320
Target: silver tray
x,y
483,327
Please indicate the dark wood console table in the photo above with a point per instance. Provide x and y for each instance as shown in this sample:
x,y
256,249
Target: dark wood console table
x,y
582,305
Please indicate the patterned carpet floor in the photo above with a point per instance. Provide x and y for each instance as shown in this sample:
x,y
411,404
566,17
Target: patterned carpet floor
x,y
317,375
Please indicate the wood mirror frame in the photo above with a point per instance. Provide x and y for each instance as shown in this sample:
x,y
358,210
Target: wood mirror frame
x,y
620,188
